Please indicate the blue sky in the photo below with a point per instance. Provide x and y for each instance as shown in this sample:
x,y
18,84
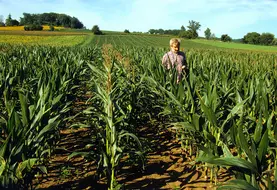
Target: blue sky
x,y
233,17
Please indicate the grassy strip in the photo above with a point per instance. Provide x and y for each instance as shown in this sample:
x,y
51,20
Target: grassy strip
x,y
88,41
150,40
239,46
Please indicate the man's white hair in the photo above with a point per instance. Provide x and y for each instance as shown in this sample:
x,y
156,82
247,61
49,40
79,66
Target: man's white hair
x,y
174,41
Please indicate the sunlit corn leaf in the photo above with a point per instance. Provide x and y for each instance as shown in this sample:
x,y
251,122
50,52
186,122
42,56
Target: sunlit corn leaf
x,y
237,184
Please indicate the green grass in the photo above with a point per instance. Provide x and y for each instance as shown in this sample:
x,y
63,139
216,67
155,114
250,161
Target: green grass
x,y
232,45
74,30
146,41
117,38
162,41
87,41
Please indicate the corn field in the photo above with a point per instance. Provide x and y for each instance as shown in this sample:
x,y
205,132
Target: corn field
x,y
144,40
223,111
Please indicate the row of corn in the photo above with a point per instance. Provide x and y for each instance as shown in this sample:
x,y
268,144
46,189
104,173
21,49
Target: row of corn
x,y
223,111
36,90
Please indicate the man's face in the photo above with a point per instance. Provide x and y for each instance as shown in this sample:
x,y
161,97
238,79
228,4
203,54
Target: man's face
x,y
175,48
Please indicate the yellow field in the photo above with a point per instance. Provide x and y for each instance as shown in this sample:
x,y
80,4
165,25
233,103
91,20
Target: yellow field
x,y
21,28
46,27
43,40
40,33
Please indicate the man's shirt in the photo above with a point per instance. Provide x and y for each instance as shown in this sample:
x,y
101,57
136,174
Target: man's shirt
x,y
171,60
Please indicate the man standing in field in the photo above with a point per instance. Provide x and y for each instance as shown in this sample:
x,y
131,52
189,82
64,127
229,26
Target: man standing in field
x,y
175,58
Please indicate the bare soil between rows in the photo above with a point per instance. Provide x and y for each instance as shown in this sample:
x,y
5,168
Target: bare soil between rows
x,y
167,165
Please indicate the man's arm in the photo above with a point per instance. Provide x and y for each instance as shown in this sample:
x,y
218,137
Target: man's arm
x,y
182,67
184,63
165,61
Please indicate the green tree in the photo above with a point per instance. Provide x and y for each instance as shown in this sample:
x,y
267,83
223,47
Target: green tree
x,y
213,37
14,22
225,38
186,34
251,38
63,20
26,19
126,31
183,28
51,18
174,32
161,31
9,20
194,27
208,33
96,30
2,21
274,42
75,23
266,38
151,31
54,19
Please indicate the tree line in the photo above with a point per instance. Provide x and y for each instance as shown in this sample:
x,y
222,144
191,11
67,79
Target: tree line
x,y
34,22
52,19
191,33
162,31
259,39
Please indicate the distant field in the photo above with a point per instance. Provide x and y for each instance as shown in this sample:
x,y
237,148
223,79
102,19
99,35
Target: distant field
x,y
65,40
236,45
145,41
83,37
41,33
59,31
60,37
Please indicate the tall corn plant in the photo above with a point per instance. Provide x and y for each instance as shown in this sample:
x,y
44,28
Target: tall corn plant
x,y
28,131
109,117
256,105
33,103
253,134
211,101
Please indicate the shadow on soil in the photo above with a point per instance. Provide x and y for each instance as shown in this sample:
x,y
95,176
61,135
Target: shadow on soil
x,y
167,165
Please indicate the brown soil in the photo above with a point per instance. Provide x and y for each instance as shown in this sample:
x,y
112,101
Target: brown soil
x,y
167,165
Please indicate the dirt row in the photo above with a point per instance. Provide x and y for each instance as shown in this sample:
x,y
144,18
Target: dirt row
x,y
167,165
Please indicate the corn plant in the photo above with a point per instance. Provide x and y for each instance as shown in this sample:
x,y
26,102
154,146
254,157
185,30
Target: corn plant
x,y
109,117
34,100
211,101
